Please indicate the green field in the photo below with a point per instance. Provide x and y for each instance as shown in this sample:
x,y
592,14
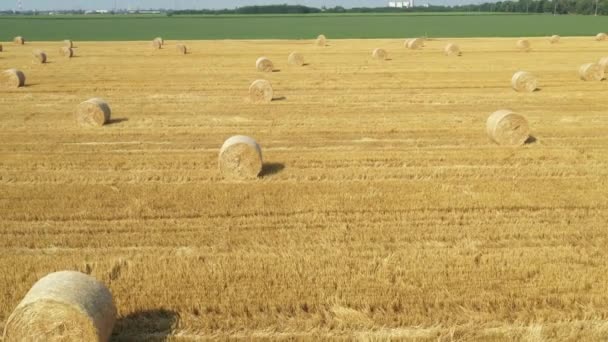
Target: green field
x,y
91,28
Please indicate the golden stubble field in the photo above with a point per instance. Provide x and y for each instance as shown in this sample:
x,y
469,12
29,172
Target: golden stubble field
x,y
383,212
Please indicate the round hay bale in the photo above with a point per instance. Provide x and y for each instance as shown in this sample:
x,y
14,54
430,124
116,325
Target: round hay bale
x,y
182,49
63,306
554,39
523,45
261,91
321,40
40,56
67,52
93,112
591,72
452,50
240,158
415,43
13,78
156,44
264,64
507,128
523,81
380,54
295,58
19,40
601,36
68,43
160,40
604,64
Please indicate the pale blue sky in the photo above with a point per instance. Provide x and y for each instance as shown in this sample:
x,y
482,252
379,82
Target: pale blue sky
x,y
196,4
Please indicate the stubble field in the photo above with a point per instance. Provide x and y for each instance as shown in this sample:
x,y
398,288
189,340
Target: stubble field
x,y
383,210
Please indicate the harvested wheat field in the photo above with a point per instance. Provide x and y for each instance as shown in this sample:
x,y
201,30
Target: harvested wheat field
x,y
383,209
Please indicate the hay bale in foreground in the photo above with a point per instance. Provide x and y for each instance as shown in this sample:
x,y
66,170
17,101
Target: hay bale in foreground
x,y
68,43
523,45
295,58
19,40
452,50
13,78
591,72
240,158
93,112
67,52
554,39
261,91
415,43
380,54
264,64
63,306
523,81
507,128
40,56
182,49
601,36
321,40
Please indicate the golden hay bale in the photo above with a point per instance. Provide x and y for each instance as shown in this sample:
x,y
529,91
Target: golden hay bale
x,y
554,39
604,64
415,43
507,128
40,56
160,40
93,112
13,78
19,40
240,158
601,37
523,45
452,50
182,49
321,40
264,64
68,43
523,81
591,72
63,306
295,58
67,52
156,44
261,91
380,54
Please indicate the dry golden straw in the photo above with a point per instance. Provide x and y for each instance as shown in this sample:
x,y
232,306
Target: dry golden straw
x,y
93,112
19,40
452,50
554,39
295,58
63,306
523,45
507,128
415,43
264,64
321,40
591,72
182,49
261,91
380,54
13,78
601,37
40,56
523,81
68,43
67,52
240,158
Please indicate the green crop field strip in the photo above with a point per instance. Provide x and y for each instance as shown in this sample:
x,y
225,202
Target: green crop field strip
x,y
100,28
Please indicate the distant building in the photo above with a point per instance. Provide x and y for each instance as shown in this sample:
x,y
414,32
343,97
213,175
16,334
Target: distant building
x,y
401,4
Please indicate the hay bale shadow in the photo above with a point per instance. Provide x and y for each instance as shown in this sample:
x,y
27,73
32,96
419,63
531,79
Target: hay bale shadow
x,y
269,169
531,140
281,98
115,121
147,325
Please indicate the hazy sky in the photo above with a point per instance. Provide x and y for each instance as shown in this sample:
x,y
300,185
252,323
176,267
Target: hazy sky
x,y
196,4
